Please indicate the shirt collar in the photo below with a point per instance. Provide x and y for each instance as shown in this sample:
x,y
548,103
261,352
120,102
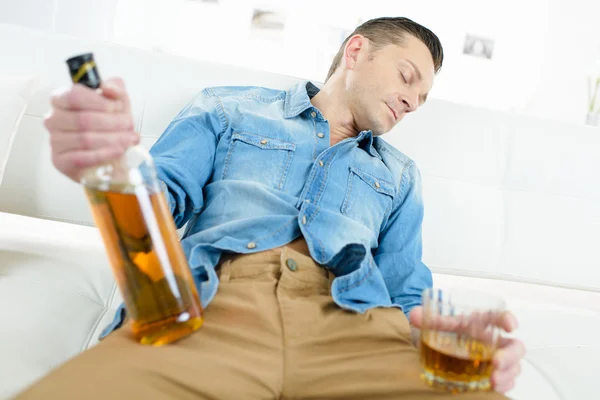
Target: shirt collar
x,y
297,100
365,141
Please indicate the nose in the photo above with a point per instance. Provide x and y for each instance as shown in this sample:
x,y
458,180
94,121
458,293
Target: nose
x,y
410,102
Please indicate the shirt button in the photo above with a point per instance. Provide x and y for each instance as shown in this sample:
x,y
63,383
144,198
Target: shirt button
x,y
291,264
377,185
251,245
313,114
304,220
264,141
307,201
321,163
321,135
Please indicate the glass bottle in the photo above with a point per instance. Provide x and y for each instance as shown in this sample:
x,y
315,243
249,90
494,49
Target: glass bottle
x,y
140,237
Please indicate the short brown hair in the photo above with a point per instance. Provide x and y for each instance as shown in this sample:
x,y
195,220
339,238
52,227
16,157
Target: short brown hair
x,y
393,30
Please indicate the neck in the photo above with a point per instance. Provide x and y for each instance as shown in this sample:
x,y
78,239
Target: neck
x,y
331,102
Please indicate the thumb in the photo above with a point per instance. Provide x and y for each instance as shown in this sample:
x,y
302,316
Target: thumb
x,y
114,88
416,317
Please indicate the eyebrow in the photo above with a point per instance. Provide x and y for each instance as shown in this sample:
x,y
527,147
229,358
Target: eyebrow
x,y
420,77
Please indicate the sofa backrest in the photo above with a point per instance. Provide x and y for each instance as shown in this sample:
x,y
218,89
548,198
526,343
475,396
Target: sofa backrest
x,y
506,196
159,86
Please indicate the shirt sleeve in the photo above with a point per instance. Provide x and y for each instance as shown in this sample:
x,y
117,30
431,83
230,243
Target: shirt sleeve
x,y
399,253
184,154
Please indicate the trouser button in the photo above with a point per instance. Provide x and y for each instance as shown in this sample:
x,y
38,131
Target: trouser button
x,y
291,264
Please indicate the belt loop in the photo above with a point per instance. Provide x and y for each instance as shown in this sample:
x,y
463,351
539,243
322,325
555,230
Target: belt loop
x,y
225,274
283,254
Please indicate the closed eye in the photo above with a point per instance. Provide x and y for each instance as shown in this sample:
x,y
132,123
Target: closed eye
x,y
403,78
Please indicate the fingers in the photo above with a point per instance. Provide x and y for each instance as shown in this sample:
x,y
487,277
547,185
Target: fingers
x,y
461,322
80,97
502,319
62,142
507,365
89,127
481,326
73,163
112,97
449,323
511,352
416,316
85,121
507,321
504,380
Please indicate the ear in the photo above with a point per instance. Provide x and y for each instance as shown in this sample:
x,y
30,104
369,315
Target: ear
x,y
353,48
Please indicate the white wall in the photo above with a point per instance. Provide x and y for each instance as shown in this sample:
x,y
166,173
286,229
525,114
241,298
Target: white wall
x,y
543,48
83,18
574,39
519,28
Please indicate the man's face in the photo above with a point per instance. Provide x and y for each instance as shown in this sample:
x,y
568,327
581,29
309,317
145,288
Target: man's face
x,y
386,85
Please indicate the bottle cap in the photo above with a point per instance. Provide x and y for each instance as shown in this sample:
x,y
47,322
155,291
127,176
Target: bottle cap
x,y
83,70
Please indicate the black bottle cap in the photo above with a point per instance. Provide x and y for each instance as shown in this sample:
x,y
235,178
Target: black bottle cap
x,y
83,70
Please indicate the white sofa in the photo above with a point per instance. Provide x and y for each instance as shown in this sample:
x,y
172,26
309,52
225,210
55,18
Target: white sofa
x,y
512,207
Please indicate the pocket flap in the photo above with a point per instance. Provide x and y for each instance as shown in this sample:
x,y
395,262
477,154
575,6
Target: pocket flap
x,y
263,142
377,184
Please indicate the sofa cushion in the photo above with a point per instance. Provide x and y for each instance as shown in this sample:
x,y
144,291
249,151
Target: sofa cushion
x,y
57,293
60,272
559,329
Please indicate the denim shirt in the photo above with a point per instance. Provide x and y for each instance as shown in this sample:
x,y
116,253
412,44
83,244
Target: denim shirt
x,y
250,169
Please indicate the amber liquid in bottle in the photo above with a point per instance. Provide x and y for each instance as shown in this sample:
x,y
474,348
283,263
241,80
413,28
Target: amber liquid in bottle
x,y
140,237
148,262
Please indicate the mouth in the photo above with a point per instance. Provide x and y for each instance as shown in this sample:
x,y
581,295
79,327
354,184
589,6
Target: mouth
x,y
393,113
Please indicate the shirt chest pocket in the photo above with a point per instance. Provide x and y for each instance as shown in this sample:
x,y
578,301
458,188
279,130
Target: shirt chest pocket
x,y
368,199
258,158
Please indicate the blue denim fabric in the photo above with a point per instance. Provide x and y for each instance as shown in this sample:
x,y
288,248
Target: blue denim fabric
x,y
250,168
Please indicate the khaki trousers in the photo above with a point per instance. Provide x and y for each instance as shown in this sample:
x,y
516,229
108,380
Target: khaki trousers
x,y
272,332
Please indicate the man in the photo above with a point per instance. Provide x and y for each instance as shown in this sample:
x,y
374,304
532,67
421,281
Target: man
x,y
304,234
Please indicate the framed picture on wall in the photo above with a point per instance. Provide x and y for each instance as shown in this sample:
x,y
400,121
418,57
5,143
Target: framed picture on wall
x,y
478,46
267,23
